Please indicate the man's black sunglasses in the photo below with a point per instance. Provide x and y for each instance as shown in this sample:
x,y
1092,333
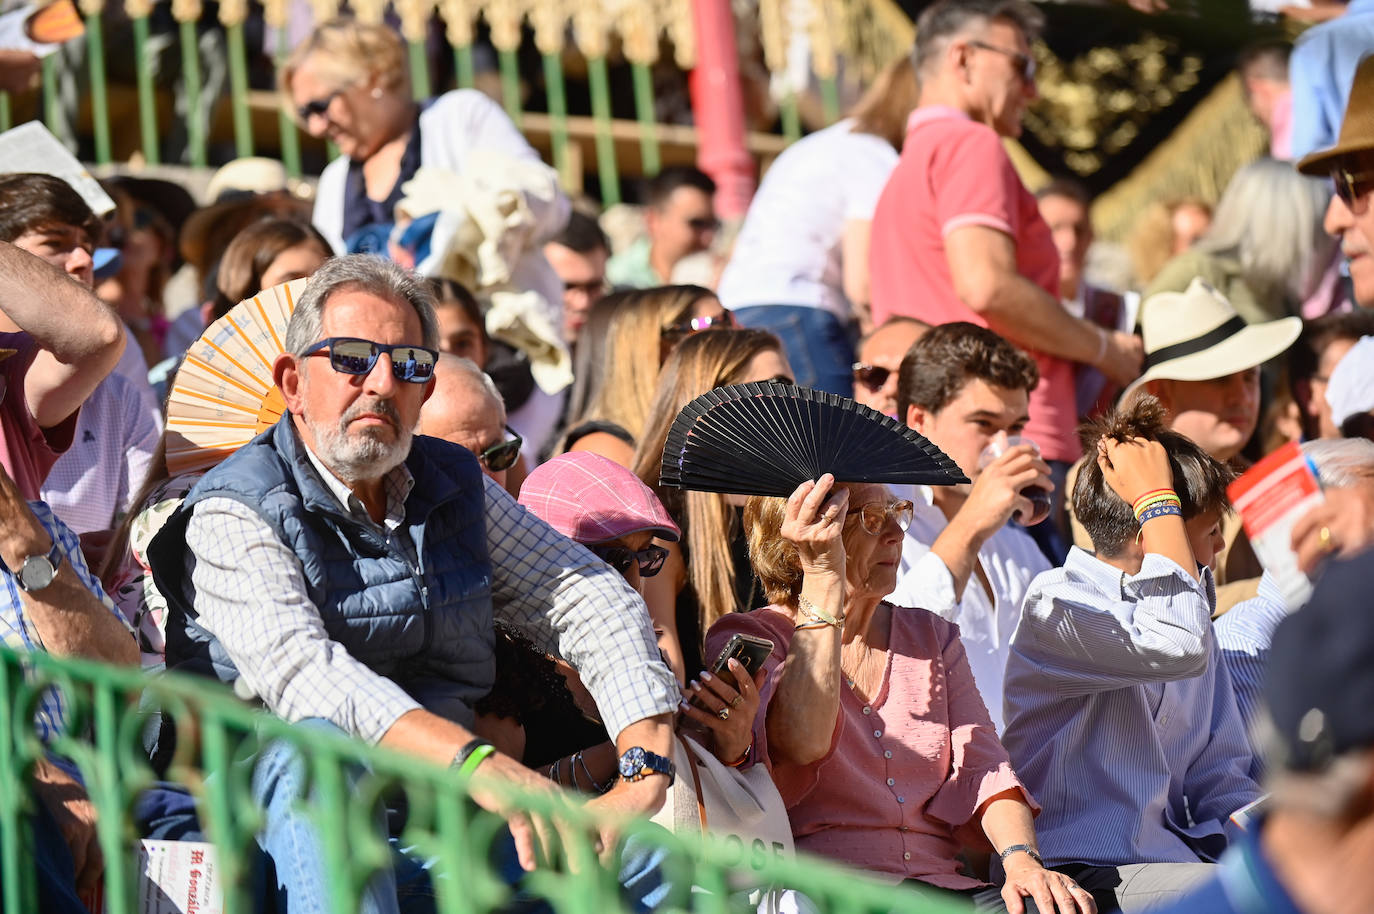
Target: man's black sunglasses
x,y
350,355
650,558
503,454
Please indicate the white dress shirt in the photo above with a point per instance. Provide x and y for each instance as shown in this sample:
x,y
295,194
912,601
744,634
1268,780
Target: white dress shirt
x,y
1010,560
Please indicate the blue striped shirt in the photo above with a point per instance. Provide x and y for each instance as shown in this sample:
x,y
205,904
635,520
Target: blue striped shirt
x,y
1120,717
17,629
1245,633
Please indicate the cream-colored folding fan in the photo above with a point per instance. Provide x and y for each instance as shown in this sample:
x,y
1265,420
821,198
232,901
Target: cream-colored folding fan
x,y
224,394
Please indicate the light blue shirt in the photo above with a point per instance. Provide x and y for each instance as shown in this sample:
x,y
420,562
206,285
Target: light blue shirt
x,y
1320,72
1244,633
1120,718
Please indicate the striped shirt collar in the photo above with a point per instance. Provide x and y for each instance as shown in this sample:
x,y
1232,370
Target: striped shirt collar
x,y
1112,580
397,485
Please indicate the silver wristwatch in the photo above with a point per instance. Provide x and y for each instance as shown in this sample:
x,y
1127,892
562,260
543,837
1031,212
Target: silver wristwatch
x,y
38,571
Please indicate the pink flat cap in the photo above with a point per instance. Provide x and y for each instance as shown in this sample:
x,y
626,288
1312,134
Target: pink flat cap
x,y
590,499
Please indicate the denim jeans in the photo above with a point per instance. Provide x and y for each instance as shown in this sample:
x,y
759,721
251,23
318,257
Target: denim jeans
x,y
818,346
294,845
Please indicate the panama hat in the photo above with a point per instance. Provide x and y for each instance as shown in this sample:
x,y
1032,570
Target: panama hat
x,y
1357,128
1196,335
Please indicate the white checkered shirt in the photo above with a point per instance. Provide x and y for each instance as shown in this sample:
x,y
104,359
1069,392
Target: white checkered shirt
x,y
250,592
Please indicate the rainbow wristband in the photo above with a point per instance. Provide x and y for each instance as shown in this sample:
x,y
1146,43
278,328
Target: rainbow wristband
x,y
1143,504
1151,496
1163,502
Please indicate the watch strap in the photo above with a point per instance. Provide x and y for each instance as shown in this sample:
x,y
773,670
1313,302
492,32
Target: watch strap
x,y
1021,848
54,560
652,764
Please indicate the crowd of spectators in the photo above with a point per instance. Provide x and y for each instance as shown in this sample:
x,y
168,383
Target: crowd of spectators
x,y
1067,684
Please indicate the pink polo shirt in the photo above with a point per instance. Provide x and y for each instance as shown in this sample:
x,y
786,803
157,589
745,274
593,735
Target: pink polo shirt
x,y
26,452
906,773
954,172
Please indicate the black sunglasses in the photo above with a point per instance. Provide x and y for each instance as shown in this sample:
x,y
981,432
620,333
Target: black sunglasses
x,y
317,106
349,355
697,324
1351,186
871,376
1024,63
503,454
650,558
704,224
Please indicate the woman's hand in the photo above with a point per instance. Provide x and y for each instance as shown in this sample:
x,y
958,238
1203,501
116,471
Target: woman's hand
x,y
727,712
814,523
1134,466
1052,891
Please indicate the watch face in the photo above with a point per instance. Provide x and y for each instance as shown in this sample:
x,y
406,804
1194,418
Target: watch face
x,y
36,573
632,762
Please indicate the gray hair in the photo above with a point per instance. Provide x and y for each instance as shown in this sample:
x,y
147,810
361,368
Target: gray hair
x,y
948,18
479,378
364,273
1342,462
1270,219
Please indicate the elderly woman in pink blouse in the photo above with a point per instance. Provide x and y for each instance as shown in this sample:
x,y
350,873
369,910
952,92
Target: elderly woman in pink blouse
x,y
869,720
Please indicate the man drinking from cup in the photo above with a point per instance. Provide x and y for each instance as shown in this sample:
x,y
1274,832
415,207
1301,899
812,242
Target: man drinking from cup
x,y
965,388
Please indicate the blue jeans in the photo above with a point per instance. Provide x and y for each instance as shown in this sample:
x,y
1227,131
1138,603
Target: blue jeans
x,y
293,843
818,346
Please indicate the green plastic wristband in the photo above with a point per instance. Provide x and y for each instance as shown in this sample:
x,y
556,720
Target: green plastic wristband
x,y
478,756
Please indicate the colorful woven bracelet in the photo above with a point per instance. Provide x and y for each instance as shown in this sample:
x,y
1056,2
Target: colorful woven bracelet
x,y
1155,502
1150,496
1150,514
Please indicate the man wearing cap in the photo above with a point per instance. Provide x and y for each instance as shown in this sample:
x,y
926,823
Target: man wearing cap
x,y
1310,851
1350,165
1202,363
348,576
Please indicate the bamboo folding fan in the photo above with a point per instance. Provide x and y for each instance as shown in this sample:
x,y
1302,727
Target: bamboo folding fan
x,y
766,438
224,395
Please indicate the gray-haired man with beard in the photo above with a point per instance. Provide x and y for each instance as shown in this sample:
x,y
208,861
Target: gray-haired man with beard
x,y
348,574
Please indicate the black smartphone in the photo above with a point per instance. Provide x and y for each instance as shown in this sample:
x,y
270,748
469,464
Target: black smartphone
x,y
748,650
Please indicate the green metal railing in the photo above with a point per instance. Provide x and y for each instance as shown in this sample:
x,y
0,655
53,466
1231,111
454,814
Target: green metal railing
x,y
218,736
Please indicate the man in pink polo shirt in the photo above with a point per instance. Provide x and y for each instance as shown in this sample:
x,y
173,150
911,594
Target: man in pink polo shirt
x,y
957,237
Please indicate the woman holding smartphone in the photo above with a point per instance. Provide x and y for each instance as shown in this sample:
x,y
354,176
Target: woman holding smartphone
x,y
869,719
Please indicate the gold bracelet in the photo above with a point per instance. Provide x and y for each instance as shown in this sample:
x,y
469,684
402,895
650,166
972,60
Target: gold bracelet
x,y
818,614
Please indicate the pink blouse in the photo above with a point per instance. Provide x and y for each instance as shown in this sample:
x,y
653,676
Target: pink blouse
x,y
905,773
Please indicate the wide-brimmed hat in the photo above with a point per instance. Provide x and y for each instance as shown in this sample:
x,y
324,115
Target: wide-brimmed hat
x,y
1357,128
1196,335
240,193
591,499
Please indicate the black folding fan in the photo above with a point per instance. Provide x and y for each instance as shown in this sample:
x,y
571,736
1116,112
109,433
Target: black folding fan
x,y
766,438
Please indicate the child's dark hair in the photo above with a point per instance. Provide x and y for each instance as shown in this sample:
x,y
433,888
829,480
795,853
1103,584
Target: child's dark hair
x,y
1199,478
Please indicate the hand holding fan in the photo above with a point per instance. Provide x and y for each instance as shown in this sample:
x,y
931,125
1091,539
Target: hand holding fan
x,y
767,438
224,394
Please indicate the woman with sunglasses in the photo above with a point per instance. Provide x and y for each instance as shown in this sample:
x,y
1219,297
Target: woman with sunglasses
x,y
869,718
349,83
647,325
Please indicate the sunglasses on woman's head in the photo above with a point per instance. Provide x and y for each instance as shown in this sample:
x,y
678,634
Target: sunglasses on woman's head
x,y
350,355
697,324
503,454
875,514
871,376
650,558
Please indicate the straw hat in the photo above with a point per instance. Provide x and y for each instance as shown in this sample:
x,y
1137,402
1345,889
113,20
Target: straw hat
x,y
1357,128
1196,335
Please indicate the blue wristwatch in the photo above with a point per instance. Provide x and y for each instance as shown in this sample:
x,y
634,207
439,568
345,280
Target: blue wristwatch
x,y
636,764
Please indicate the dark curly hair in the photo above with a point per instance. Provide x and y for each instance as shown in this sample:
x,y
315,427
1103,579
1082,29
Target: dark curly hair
x,y
1199,478
948,356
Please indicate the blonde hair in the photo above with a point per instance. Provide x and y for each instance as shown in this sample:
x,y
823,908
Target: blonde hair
x,y
706,360
634,353
347,52
884,108
775,560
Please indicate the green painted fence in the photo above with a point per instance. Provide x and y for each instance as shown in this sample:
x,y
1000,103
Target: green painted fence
x,y
218,735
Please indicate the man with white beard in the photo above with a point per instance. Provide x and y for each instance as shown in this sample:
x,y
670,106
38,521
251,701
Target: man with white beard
x,y
348,575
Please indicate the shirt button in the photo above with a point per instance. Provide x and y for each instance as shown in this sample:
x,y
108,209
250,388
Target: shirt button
x,y
902,828
906,856
887,754
877,733
890,782
901,799
868,710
